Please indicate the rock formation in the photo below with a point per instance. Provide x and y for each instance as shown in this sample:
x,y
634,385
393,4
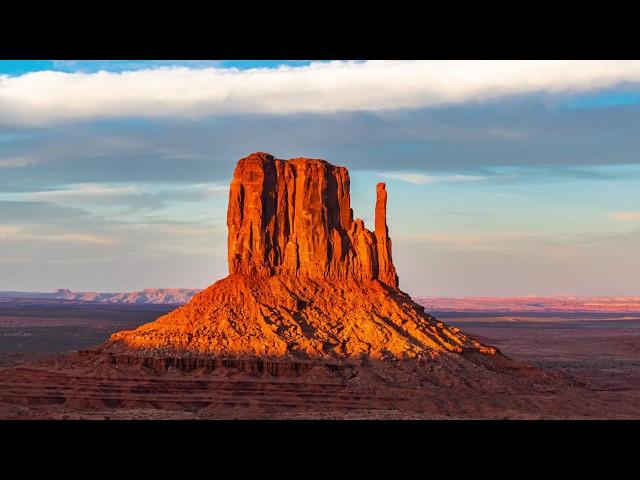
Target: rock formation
x,y
294,218
306,280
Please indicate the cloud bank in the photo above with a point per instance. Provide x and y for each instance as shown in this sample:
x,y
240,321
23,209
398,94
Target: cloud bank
x,y
46,97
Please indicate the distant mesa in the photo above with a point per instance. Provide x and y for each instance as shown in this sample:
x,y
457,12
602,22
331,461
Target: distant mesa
x,y
306,281
156,296
180,296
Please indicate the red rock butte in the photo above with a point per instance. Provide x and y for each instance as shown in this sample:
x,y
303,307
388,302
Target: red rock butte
x,y
294,217
306,280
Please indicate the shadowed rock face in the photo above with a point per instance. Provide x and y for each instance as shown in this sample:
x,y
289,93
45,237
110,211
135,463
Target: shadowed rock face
x,y
306,280
293,217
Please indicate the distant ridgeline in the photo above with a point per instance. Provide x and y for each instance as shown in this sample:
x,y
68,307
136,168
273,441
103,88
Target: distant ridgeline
x,y
161,296
602,304
180,296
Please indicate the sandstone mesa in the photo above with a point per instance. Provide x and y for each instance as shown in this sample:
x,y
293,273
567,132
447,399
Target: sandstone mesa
x,y
306,280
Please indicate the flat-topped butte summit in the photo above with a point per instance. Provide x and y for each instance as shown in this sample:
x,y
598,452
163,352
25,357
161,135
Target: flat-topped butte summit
x,y
294,217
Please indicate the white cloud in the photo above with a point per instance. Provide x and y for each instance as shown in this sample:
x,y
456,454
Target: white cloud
x,y
46,97
83,191
17,234
626,216
420,179
217,190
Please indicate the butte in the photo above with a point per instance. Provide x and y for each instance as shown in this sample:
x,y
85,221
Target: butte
x,y
307,282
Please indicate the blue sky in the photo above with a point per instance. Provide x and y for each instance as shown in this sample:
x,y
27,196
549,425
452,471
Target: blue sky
x,y
504,178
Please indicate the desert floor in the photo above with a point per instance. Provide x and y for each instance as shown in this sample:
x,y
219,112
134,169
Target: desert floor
x,y
600,350
598,354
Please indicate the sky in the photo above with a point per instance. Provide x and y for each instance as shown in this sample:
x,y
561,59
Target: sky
x,y
505,178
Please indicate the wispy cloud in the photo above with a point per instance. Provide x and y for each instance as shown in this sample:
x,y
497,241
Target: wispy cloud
x,y
81,191
17,234
72,238
420,178
50,96
5,231
16,162
91,66
467,240
626,216
217,190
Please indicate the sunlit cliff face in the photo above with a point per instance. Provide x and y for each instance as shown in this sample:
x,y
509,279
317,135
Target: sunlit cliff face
x,y
294,218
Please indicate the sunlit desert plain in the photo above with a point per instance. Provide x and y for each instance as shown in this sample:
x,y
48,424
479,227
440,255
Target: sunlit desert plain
x,y
598,352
